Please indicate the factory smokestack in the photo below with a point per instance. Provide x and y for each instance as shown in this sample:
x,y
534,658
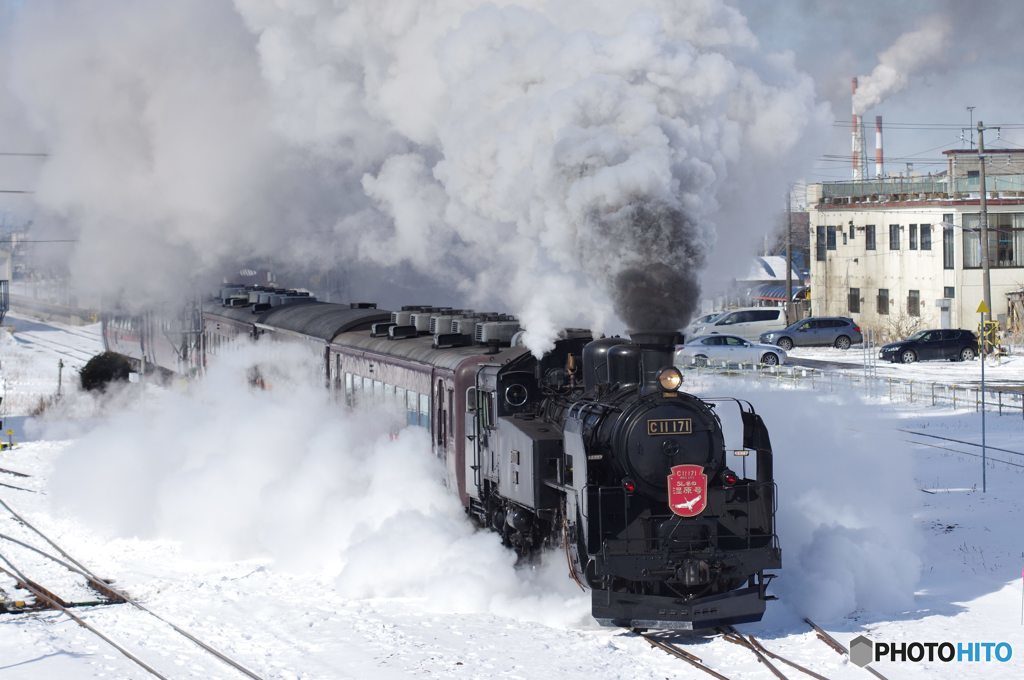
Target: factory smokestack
x,y
879,161
857,138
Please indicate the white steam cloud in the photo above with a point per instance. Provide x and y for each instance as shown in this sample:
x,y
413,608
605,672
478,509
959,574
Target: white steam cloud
x,y
285,474
573,162
911,53
846,500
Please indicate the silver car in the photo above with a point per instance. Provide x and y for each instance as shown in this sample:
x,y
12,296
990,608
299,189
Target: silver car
x,y
703,349
835,331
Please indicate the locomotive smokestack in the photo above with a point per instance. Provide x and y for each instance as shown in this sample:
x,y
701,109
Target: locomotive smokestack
x,y
879,163
657,350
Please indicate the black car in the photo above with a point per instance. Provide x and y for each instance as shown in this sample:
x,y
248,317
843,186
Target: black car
x,y
952,344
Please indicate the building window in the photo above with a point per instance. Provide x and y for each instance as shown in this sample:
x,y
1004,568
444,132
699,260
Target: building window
x,y
914,303
1005,240
844,238
926,237
855,300
819,250
894,237
831,243
869,237
913,237
883,300
949,292
947,241
852,232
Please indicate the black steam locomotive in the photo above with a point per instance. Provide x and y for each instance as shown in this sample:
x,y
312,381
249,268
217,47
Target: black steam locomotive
x,y
592,448
606,455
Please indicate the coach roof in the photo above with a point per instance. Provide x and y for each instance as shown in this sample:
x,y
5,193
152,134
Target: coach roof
x,y
320,320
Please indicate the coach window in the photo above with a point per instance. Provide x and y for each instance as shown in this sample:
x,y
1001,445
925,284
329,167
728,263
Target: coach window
x,y
348,384
425,411
485,406
451,410
439,400
400,397
411,407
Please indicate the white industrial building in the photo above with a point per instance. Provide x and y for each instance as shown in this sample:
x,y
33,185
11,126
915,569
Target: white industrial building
x,y
891,250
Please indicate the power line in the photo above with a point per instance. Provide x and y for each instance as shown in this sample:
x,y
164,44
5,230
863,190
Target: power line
x,y
40,240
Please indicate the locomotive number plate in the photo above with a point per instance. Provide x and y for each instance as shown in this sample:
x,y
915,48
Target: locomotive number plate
x,y
663,426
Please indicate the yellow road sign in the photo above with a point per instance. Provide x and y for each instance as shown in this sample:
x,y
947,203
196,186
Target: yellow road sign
x,y
983,308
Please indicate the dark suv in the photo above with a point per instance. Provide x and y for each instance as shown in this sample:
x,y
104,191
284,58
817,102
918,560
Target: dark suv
x,y
836,331
952,344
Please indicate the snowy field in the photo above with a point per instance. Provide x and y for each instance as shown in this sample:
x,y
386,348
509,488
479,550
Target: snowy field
x,y
306,543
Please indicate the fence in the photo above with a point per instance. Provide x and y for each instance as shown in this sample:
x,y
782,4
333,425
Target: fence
x,y
1000,399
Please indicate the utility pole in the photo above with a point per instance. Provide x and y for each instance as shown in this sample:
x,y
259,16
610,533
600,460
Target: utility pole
x,y
986,279
789,256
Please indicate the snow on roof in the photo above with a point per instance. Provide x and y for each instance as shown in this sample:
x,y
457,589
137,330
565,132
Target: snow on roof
x,y
768,268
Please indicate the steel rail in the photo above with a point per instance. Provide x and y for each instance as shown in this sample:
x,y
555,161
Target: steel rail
x,y
764,650
960,441
691,659
837,646
17,488
40,595
135,603
966,453
95,583
730,634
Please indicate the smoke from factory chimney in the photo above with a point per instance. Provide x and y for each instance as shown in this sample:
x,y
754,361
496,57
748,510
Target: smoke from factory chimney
x,y
879,160
855,137
858,149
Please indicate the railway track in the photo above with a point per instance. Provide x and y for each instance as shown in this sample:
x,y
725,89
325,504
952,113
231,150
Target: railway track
x,y
1010,457
43,598
837,646
56,347
668,642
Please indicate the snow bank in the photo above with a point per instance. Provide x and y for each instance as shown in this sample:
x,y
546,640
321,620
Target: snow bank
x,y
284,473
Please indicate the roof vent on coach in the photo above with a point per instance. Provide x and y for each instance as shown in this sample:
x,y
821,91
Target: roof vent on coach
x,y
500,332
381,330
421,320
444,340
402,332
465,325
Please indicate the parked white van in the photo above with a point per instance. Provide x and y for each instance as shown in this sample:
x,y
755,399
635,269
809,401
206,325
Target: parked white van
x,y
746,322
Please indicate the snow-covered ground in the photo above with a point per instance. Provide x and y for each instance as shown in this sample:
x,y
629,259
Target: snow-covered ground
x,y
307,544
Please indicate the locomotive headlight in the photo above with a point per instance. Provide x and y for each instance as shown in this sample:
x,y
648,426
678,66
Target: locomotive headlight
x,y
670,379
